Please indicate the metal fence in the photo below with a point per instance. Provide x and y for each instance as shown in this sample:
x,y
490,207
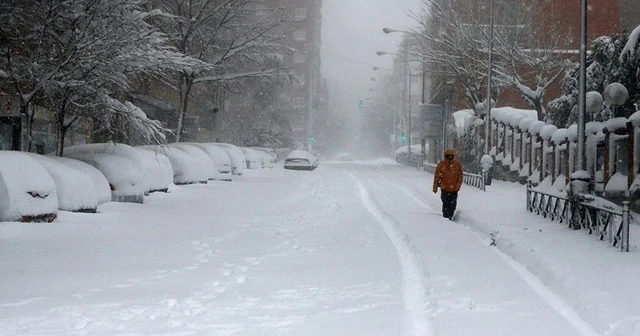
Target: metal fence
x,y
581,211
474,180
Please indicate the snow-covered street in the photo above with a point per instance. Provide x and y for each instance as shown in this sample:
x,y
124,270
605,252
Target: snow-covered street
x,y
354,248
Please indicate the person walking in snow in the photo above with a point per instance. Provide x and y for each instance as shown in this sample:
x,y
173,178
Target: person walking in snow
x,y
448,177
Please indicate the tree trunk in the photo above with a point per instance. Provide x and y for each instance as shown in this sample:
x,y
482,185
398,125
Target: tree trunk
x,y
29,113
186,83
62,130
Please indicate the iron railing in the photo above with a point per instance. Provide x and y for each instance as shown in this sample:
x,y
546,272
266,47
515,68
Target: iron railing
x,y
581,211
474,180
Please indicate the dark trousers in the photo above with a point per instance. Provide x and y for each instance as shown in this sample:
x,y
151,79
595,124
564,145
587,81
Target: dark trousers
x,y
449,202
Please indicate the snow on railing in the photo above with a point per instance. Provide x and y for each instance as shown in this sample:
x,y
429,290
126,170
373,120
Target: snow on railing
x,y
583,211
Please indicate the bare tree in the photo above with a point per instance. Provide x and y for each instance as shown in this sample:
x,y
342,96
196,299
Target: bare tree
x,y
236,38
73,57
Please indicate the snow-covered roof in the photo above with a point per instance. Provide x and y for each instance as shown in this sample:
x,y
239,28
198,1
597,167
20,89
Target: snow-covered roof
x,y
560,136
615,124
546,132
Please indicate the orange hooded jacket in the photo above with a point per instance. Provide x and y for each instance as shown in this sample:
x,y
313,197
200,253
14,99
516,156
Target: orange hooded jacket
x,y
448,175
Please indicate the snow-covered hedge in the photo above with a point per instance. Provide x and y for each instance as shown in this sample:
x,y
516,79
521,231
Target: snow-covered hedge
x,y
75,189
27,191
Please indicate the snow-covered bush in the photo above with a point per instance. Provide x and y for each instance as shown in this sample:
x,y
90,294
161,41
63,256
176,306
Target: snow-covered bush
x,y
120,164
27,191
185,166
158,173
75,189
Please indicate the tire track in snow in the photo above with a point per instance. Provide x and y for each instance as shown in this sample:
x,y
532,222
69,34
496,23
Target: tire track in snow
x,y
554,301
414,281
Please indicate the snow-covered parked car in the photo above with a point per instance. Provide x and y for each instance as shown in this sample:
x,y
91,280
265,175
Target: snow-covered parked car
x,y
186,167
75,189
27,191
204,161
158,173
269,156
100,183
301,160
238,164
119,163
220,158
253,158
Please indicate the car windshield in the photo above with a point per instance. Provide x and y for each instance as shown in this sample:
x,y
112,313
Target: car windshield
x,y
319,167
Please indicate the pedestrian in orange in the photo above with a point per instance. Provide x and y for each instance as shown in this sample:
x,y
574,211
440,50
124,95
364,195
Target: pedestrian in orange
x,y
448,176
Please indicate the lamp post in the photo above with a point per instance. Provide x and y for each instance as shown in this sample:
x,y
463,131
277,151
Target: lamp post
x,y
582,90
395,114
406,89
487,105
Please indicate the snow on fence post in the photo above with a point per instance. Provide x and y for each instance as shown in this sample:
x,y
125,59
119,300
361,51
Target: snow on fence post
x,y
624,245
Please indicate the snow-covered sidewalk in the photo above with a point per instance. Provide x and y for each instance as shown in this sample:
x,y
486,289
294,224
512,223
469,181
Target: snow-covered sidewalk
x,y
599,281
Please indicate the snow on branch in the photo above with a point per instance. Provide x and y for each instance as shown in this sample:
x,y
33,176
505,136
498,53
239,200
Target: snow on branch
x,y
630,49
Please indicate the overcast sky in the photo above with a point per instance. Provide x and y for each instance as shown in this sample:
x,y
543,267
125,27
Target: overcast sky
x,y
351,35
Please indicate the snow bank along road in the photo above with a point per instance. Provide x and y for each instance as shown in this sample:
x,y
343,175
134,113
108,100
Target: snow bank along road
x,y
348,249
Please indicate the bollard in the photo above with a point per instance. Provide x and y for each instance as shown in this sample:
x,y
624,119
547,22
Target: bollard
x,y
624,246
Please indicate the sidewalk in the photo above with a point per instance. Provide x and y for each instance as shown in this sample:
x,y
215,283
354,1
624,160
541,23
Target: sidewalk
x,y
601,282
598,280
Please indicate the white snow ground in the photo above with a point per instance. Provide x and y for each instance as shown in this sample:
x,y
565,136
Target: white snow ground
x,y
348,249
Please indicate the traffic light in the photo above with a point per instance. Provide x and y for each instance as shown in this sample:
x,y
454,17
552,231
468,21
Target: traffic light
x,y
403,137
360,104
312,139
